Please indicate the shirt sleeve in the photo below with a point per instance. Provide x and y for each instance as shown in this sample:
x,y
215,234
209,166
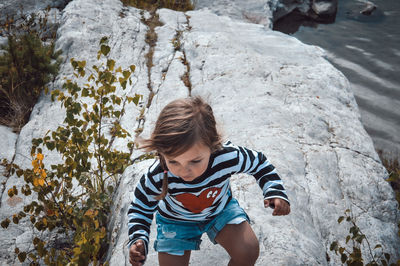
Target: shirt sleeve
x,y
256,164
142,207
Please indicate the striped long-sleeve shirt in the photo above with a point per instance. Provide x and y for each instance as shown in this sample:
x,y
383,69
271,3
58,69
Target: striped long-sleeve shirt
x,y
203,198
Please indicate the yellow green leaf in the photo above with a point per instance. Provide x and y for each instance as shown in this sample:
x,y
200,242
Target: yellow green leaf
x,y
43,173
50,212
105,49
82,64
40,157
126,74
40,181
22,256
97,239
11,192
77,251
110,64
104,39
89,213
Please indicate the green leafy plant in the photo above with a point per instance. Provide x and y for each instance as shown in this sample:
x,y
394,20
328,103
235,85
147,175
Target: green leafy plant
x,y
178,5
392,165
353,256
28,63
73,198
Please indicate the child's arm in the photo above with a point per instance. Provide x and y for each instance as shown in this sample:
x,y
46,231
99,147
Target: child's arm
x,y
140,215
257,165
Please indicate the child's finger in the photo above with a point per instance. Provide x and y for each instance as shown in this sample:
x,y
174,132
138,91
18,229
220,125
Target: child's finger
x,y
269,203
140,246
266,203
135,263
277,209
136,260
137,254
282,208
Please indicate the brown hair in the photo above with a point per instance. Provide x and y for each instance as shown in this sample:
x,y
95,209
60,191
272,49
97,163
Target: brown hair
x,y
181,124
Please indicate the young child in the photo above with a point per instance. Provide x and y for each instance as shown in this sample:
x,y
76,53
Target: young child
x,y
188,189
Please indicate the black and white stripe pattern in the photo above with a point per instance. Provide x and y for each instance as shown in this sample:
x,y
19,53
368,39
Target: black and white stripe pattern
x,y
222,164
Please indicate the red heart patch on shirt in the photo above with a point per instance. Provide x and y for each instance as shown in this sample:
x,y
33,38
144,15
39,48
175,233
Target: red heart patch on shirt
x,y
197,204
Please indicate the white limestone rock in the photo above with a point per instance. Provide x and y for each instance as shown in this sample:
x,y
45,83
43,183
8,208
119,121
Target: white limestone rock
x,y
275,94
7,151
263,12
8,139
11,8
253,11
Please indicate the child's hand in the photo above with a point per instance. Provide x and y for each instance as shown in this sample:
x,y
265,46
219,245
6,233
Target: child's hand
x,y
280,206
136,253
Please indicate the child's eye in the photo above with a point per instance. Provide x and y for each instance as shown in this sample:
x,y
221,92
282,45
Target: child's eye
x,y
196,161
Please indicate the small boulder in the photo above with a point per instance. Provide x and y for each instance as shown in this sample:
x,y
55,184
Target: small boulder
x,y
368,9
324,8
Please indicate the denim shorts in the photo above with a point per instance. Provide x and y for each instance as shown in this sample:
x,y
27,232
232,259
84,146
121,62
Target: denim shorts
x,y
174,237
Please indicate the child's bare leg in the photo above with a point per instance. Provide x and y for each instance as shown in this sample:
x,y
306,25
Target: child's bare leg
x,y
165,259
240,242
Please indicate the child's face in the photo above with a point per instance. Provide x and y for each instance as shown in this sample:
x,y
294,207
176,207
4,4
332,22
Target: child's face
x,y
190,164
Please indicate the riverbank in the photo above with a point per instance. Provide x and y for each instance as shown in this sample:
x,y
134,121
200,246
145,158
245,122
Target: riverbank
x,y
365,49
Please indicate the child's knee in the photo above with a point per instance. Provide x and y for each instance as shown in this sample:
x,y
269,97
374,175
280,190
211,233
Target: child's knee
x,y
254,251
247,254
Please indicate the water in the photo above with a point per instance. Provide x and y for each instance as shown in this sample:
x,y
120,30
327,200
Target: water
x,y
367,50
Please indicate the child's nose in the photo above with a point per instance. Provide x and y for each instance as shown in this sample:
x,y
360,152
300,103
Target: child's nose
x,y
185,171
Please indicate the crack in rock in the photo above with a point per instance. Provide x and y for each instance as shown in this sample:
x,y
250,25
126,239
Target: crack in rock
x,y
151,40
358,152
186,76
7,173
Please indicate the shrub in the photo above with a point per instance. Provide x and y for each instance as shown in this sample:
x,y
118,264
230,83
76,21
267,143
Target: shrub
x,y
73,198
392,165
178,5
353,255
26,66
377,254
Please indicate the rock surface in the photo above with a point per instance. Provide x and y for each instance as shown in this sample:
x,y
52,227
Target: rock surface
x,y
368,9
324,7
253,11
263,12
266,12
7,152
269,92
11,8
